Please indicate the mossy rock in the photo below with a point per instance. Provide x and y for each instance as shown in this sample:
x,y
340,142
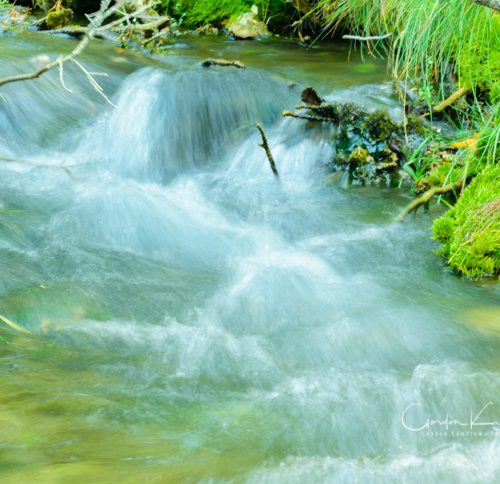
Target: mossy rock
x,y
59,18
379,125
360,155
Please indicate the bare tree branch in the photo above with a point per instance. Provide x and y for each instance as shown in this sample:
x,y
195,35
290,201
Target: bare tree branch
x,y
95,23
95,28
265,146
450,100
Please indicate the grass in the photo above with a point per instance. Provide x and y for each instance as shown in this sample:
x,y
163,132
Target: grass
x,y
430,41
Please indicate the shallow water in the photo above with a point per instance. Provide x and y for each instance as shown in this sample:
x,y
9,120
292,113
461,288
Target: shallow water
x,y
195,320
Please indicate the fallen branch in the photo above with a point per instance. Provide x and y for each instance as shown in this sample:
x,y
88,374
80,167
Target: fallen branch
x,y
223,63
96,21
450,100
494,4
427,196
95,28
308,117
56,63
269,155
368,38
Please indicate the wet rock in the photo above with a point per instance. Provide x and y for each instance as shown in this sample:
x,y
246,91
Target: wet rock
x,y
248,26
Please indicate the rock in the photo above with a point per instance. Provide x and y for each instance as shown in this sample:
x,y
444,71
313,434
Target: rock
x,y
248,26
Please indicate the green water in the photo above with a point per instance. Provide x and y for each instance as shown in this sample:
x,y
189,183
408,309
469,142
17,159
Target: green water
x,y
192,319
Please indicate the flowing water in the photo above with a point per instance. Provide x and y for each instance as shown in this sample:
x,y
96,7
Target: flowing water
x,y
194,319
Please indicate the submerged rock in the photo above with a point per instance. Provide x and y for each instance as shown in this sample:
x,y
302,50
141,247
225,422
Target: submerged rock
x,y
248,26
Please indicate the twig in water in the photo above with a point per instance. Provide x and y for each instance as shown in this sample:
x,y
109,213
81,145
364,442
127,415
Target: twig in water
x,y
93,82
61,77
426,197
308,117
269,155
223,63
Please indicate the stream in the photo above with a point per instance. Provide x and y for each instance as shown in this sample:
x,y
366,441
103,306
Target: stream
x,y
195,320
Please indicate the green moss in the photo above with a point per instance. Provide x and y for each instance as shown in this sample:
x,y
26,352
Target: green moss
x,y
379,125
196,13
470,230
415,124
443,229
59,18
360,155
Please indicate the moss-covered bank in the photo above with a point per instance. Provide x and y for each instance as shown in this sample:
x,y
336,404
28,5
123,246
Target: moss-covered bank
x,y
470,230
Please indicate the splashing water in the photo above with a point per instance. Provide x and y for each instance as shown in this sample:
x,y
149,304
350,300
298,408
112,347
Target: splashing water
x,y
195,319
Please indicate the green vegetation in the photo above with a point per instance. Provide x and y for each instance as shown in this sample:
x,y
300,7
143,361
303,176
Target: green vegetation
x,y
191,13
430,41
207,11
439,48
59,18
470,230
